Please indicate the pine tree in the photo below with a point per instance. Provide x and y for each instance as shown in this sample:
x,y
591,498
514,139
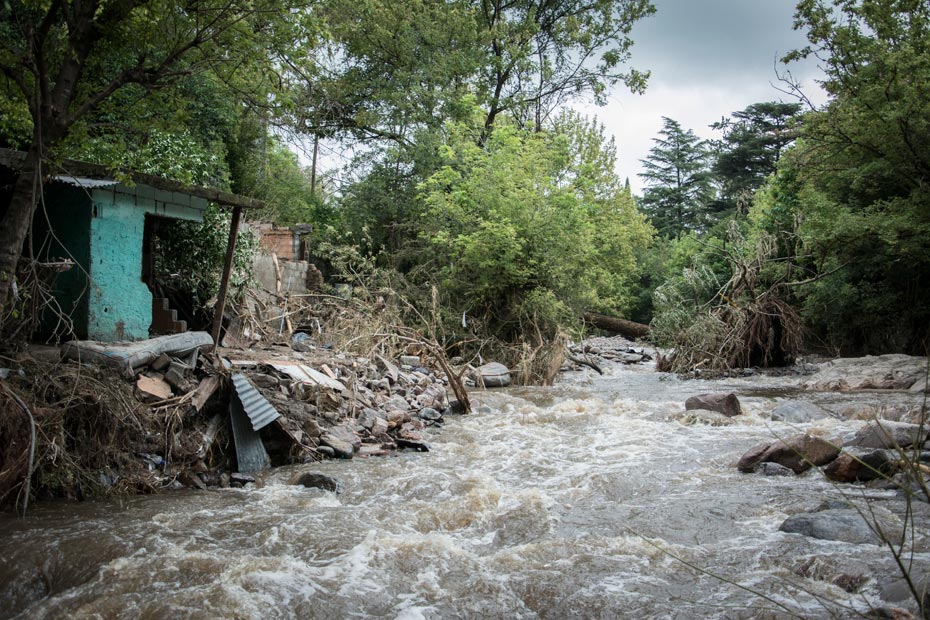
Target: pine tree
x,y
679,192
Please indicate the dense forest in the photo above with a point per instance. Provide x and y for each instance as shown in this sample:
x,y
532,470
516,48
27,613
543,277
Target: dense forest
x,y
479,198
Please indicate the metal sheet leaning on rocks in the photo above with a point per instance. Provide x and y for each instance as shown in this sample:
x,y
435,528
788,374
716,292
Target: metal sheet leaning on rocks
x,y
305,374
250,409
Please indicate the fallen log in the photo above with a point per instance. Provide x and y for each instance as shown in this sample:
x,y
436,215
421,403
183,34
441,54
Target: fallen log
x,y
630,329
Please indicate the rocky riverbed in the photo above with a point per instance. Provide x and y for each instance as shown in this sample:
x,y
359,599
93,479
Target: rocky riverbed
x,y
602,496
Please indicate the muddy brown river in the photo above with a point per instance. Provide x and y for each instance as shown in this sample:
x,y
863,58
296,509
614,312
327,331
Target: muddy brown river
x,y
586,500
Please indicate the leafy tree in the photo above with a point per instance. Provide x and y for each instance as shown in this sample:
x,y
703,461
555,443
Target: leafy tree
x,y
855,189
395,67
520,234
541,54
679,191
753,141
64,59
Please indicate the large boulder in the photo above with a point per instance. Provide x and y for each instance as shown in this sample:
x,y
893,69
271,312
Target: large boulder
x,y
727,404
798,453
798,412
846,525
888,434
492,374
861,466
883,372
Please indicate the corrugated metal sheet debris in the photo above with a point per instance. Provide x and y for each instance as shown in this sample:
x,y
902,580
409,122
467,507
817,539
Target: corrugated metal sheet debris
x,y
261,413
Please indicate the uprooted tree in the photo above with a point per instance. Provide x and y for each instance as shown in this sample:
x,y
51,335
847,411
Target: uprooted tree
x,y
736,320
62,60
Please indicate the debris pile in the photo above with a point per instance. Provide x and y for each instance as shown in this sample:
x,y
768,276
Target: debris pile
x,y
595,352
170,412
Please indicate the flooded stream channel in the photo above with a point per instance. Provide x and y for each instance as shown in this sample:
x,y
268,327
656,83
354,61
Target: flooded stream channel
x,y
577,501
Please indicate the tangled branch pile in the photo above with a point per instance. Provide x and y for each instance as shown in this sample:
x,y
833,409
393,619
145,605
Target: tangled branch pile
x,y
90,433
741,323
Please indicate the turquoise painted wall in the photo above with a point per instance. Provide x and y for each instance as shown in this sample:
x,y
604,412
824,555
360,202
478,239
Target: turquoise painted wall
x,y
120,304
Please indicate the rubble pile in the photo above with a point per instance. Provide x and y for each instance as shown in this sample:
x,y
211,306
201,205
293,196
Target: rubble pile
x,y
170,412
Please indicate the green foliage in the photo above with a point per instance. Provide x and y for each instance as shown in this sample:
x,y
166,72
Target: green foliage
x,y
529,228
753,141
679,192
857,186
192,253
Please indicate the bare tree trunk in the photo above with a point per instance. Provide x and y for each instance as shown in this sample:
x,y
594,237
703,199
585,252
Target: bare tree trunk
x,y
17,220
630,329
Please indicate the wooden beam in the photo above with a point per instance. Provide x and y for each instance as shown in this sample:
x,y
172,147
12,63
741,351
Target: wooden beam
x,y
224,280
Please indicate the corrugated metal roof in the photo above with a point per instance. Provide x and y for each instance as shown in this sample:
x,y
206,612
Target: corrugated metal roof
x,y
261,413
85,182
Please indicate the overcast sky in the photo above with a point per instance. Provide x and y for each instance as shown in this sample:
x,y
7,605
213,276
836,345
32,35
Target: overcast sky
x,y
708,58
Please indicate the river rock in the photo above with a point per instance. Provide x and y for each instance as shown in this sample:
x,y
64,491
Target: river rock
x,y
411,444
774,469
492,374
798,453
861,465
342,440
883,372
367,418
888,434
410,360
727,404
798,412
429,414
379,428
846,525
319,481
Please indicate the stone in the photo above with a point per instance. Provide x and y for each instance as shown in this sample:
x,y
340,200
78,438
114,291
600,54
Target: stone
x,y
845,525
774,469
492,374
239,478
366,419
379,428
727,404
861,466
396,418
798,412
887,434
319,481
326,451
429,414
883,372
397,402
409,444
410,360
631,358
801,452
748,462
341,449
798,453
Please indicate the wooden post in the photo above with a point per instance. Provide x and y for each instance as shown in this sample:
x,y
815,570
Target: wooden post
x,y
224,281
